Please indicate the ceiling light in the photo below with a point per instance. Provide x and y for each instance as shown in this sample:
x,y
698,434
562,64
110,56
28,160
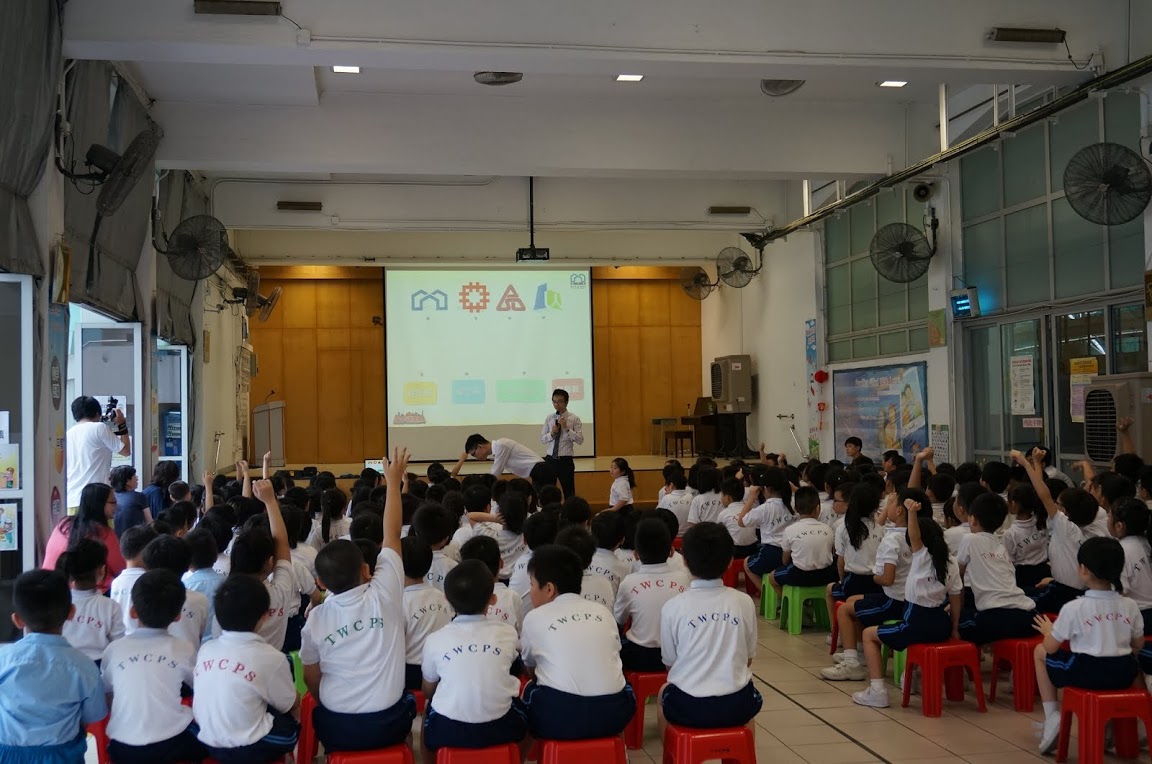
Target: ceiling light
x,y
892,84
346,69
629,77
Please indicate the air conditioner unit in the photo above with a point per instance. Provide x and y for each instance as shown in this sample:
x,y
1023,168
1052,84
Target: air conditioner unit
x,y
1109,400
732,384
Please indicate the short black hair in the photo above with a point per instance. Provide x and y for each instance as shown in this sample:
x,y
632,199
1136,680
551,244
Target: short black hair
x,y
1080,506
434,524
562,393
556,565
293,519
575,510
1103,556
339,564
606,529
180,515
179,490
367,525
708,479
240,603
369,550
167,553
806,501
653,543
219,527
941,485
1128,465
485,549
918,496
854,441
251,551
707,550
158,597
86,407
1114,487
540,529
1134,514
666,516
133,541
989,510
549,494
42,600
120,476
579,540
477,498
203,547
468,587
968,472
416,554
733,489
514,510
996,475
435,493
474,440
967,492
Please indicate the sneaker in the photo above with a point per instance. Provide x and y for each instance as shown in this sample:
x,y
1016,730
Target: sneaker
x,y
838,658
828,639
845,672
871,697
1050,733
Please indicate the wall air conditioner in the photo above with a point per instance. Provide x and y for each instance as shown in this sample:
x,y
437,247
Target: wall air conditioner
x,y
732,384
1109,400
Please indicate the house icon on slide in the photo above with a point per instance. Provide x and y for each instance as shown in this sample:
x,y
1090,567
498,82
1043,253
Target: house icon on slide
x,y
438,298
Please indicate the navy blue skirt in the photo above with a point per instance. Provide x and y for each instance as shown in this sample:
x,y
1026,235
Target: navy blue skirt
x,y
855,584
766,559
712,712
918,625
1089,672
443,732
875,609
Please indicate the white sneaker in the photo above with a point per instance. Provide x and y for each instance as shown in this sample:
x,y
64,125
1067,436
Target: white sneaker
x,y
1050,733
871,697
828,639
845,672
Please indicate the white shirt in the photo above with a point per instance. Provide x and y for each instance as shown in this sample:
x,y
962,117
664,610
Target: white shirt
x,y
281,587
307,555
827,510
741,536
1137,575
1025,543
894,550
922,586
707,638
441,564
237,677
520,582
938,512
305,582
121,593
990,573
642,596
773,517
704,508
195,619
606,563
513,457
678,503
357,637
859,561
425,610
574,646
1065,538
464,533
144,673
569,438
953,536
1100,623
597,589
508,608
338,528
511,545
675,562
620,491
810,542
471,658
90,446
223,564
96,622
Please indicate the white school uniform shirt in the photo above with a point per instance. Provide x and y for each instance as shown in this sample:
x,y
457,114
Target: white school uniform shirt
x,y
426,609
990,573
923,588
305,583
471,659
894,550
357,637
237,677
1100,623
281,586
464,533
520,582
121,593
705,508
629,558
828,514
606,563
96,622
678,503
859,561
953,536
144,672
574,646
773,517
707,638
1137,574
641,598
1025,543
676,562
810,542
938,512
597,589
620,491
441,564
508,608
307,555
741,536
223,564
1065,538
338,528
511,545
89,451
195,622
508,455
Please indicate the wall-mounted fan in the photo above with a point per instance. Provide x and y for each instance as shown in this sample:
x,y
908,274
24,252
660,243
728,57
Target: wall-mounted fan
x,y
901,252
695,282
1107,184
735,268
197,247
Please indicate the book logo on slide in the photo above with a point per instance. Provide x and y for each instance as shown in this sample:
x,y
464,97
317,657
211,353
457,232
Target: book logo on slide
x,y
474,297
420,298
547,298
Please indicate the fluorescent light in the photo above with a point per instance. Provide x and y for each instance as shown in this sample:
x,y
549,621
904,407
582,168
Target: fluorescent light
x,y
629,77
346,69
892,84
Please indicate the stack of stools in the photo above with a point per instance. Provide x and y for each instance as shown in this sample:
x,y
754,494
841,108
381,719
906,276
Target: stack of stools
x,y
731,745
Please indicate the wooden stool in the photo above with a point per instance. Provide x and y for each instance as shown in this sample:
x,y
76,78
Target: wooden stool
x,y
644,685
604,750
680,439
937,661
397,754
731,745
1018,654
509,753
792,601
1095,708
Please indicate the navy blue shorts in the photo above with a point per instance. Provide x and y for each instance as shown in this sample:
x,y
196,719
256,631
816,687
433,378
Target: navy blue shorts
x,y
183,747
854,584
637,658
766,559
875,609
413,676
1147,621
362,732
1028,576
919,625
984,627
1055,596
442,732
556,715
733,710
281,739
71,752
1088,672
742,552
790,575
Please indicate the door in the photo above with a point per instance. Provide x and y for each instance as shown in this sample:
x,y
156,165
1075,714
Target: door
x,y
1008,387
109,364
172,413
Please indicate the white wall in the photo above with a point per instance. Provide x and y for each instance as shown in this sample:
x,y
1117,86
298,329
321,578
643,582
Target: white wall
x,y
214,385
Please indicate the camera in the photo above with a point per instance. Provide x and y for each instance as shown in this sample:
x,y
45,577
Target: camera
x,y
109,416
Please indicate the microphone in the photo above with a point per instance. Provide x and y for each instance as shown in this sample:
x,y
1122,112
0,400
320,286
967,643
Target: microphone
x,y
271,392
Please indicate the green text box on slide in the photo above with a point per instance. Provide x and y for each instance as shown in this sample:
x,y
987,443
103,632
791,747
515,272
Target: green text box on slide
x,y
521,391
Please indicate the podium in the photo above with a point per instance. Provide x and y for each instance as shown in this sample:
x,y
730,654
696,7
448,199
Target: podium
x,y
268,432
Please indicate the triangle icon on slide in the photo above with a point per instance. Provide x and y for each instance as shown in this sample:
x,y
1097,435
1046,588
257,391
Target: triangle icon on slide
x,y
511,301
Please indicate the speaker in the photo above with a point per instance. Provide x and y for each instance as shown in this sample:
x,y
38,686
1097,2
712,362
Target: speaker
x,y
923,192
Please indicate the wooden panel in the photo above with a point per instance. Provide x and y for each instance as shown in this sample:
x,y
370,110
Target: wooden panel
x,y
654,304
624,303
332,298
365,301
269,349
627,418
686,382
299,305
334,412
601,376
368,389
601,311
682,309
300,396
635,273
321,272
656,379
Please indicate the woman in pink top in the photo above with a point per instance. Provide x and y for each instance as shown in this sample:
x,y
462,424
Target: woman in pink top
x,y
97,506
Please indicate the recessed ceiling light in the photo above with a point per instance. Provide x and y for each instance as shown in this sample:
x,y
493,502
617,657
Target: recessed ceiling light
x,y
629,77
346,69
892,84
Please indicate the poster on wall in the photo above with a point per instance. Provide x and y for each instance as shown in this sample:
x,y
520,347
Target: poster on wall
x,y
9,530
1082,371
9,466
1022,374
885,406
810,361
57,379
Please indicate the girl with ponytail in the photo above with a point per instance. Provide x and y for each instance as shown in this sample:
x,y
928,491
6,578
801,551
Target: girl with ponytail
x,y
97,620
332,523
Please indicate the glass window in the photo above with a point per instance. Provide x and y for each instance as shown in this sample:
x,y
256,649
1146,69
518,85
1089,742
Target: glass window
x,y
1078,335
863,221
1129,339
1122,118
1026,256
984,262
840,351
1024,166
1126,254
836,246
893,343
864,303
889,207
1022,338
893,301
980,189
1078,252
864,347
839,300
1072,130
985,377
918,339
918,299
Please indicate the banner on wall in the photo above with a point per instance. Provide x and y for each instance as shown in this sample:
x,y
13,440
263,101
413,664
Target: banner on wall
x,y
814,417
885,406
57,380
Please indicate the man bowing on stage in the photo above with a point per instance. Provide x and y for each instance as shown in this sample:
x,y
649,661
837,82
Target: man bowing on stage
x,y
561,434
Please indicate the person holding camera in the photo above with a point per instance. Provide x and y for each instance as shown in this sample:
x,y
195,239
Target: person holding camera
x,y
91,442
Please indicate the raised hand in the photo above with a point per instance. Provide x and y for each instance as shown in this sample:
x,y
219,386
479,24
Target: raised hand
x,y
264,491
397,467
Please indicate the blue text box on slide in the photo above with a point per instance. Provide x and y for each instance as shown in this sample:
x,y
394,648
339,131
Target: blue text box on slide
x,y
467,391
521,391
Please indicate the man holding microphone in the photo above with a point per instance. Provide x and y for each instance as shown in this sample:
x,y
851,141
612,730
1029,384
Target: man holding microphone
x,y
561,434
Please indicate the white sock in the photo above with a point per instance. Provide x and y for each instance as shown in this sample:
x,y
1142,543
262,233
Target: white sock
x,y
851,656
1051,707
878,685
860,646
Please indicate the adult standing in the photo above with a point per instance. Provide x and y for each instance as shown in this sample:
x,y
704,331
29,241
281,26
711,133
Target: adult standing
x,y
562,432
96,507
164,474
853,447
131,505
91,444
507,454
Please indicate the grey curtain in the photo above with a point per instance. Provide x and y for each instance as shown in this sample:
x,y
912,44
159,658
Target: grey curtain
x,y
30,60
100,111
179,199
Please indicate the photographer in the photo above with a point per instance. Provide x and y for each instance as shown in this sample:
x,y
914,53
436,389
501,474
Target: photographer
x,y
90,445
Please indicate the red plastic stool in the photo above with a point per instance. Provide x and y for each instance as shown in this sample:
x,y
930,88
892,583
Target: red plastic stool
x,y
99,730
1093,709
836,605
732,745
678,543
508,753
397,754
940,663
644,685
419,702
209,760
602,750
306,744
1018,654
731,575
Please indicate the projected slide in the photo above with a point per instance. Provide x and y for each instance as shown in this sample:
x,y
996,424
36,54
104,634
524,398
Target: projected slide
x,y
481,351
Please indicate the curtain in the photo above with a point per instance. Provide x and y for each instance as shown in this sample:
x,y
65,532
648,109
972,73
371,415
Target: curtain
x,y
179,199
30,59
